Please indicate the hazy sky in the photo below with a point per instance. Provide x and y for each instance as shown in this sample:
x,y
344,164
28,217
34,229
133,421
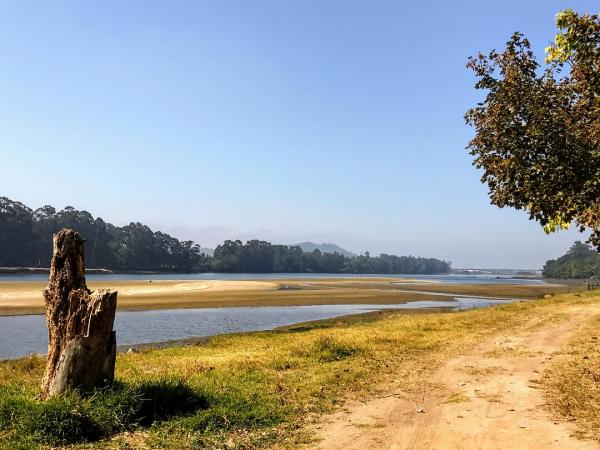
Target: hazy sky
x,y
318,120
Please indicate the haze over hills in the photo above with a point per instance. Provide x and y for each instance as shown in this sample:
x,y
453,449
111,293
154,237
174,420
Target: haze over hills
x,y
325,247
207,251
212,236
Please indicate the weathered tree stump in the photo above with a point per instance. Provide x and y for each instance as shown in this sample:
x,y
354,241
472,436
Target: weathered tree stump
x,y
81,341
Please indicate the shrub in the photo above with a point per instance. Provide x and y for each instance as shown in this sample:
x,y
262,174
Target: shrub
x,y
328,349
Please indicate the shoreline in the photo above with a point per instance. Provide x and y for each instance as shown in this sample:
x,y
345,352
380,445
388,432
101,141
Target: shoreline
x,y
292,328
46,271
18,270
297,327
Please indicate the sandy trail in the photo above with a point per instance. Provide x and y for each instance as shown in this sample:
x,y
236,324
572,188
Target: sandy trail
x,y
487,399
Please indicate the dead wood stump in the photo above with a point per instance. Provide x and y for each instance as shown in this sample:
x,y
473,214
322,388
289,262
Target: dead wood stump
x,y
81,341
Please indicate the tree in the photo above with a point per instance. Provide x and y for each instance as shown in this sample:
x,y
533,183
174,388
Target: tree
x,y
17,237
227,256
26,236
537,132
581,261
26,240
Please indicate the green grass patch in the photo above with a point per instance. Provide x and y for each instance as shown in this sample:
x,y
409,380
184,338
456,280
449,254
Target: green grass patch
x,y
74,418
207,404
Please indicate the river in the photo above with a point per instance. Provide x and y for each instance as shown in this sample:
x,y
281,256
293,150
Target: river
x,y
443,278
22,335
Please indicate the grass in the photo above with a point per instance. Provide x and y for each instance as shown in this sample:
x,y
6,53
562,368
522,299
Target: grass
x,y
481,371
572,381
205,406
252,390
457,397
509,352
74,418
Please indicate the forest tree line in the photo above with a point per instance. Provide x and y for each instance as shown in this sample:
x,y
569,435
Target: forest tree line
x,y
260,256
581,261
26,241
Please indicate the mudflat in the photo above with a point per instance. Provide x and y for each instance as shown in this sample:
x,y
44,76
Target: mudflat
x,y
26,297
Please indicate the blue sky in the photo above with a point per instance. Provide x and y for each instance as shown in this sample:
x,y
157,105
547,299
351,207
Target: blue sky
x,y
336,121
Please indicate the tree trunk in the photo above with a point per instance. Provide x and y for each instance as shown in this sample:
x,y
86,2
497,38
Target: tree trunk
x,y
81,342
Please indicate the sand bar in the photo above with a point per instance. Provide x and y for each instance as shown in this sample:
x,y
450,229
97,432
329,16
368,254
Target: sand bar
x,y
18,297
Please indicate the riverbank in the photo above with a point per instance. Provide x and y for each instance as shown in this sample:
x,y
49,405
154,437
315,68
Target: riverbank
x,y
19,298
45,271
278,388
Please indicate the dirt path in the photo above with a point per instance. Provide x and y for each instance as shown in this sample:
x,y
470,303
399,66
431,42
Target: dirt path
x,y
487,399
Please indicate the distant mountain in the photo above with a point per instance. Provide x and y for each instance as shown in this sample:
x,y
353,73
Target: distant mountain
x,y
324,248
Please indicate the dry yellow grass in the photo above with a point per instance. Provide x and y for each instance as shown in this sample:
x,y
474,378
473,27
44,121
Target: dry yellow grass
x,y
572,381
458,397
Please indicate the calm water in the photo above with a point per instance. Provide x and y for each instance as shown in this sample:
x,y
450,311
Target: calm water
x,y
447,278
22,335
